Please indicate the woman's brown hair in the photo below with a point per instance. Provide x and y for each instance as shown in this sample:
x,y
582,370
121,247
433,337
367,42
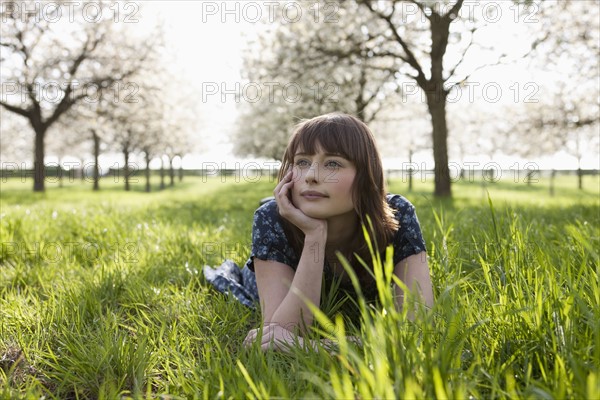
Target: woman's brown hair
x,y
351,138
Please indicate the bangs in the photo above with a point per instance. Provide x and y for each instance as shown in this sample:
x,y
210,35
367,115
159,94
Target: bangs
x,y
334,134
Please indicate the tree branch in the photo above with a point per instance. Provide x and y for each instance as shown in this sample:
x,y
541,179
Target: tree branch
x,y
453,12
420,7
462,57
17,110
410,58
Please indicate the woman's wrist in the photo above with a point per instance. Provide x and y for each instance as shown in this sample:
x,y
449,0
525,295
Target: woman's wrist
x,y
318,233
314,242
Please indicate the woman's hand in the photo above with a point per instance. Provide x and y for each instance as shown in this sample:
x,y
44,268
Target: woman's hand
x,y
274,336
289,211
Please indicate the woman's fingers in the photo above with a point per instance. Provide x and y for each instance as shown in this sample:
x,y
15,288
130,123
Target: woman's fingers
x,y
287,209
271,337
282,190
287,178
266,339
282,196
275,337
254,333
251,337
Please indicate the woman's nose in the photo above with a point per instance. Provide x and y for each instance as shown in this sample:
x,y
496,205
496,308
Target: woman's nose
x,y
312,175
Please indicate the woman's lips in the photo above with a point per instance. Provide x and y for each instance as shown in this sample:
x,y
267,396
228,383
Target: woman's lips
x,y
313,195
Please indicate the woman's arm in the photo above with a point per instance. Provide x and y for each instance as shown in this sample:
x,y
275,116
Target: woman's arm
x,y
413,271
282,309
278,285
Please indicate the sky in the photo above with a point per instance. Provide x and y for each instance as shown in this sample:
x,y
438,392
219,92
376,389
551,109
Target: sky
x,y
206,40
209,38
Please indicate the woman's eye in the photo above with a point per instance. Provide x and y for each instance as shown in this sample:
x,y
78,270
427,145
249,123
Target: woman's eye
x,y
302,163
333,164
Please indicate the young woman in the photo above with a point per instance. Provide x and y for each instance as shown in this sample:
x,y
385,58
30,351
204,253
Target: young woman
x,y
330,180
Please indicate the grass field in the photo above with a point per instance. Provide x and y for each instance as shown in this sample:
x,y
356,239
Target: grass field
x,y
102,296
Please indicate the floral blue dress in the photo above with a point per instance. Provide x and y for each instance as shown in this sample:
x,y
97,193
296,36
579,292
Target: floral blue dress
x,y
269,242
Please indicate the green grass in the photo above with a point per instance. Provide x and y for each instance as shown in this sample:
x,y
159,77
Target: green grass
x,y
101,297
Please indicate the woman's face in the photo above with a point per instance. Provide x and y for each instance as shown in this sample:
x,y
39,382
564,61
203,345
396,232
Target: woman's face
x,y
322,184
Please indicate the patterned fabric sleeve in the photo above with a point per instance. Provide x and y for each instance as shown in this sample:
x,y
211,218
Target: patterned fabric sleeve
x,y
408,239
269,241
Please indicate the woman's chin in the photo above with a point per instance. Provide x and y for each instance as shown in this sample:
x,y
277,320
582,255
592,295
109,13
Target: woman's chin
x,y
317,215
311,212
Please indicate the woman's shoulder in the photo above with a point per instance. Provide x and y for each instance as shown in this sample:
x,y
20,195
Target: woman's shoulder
x,y
408,239
399,203
266,217
267,209
269,241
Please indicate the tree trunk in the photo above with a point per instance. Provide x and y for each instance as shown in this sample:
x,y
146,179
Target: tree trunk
x,y
359,100
147,156
162,173
436,102
59,171
579,174
552,176
171,172
96,139
181,173
80,171
126,170
529,177
39,172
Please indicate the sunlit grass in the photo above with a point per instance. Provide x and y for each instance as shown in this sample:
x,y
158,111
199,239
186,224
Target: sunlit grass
x,y
101,297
